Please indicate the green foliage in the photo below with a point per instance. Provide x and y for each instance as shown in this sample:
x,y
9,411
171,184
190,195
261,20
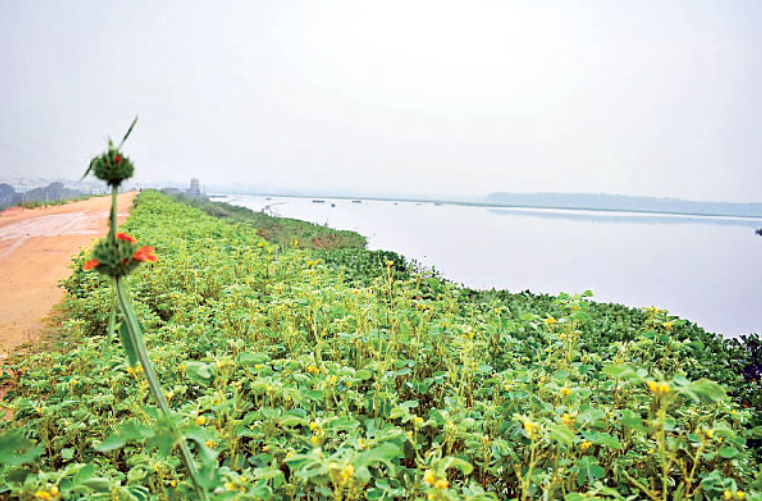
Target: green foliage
x,y
351,375
34,204
280,230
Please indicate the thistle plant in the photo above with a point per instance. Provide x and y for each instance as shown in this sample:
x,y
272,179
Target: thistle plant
x,y
116,256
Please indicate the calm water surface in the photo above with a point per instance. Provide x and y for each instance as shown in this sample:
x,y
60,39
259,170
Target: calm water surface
x,y
708,270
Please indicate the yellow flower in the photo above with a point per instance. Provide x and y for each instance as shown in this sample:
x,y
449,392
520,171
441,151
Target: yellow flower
x,y
170,394
43,495
313,425
733,411
389,263
173,482
442,484
728,494
667,325
361,443
138,369
289,454
653,386
334,379
182,367
586,445
261,244
200,420
568,419
740,494
563,335
531,428
565,392
314,439
230,486
575,307
664,388
709,433
39,410
550,321
418,421
429,477
210,443
313,370
258,367
348,471
130,370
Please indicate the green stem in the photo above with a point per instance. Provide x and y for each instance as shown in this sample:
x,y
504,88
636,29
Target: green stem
x,y
153,382
114,193
136,336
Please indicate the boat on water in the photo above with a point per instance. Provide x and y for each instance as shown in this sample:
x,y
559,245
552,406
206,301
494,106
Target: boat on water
x,y
317,201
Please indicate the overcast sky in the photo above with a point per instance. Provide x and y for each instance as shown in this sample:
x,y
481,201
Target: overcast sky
x,y
641,97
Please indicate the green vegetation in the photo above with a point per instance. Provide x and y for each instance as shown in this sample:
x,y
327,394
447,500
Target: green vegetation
x,y
35,204
347,374
279,230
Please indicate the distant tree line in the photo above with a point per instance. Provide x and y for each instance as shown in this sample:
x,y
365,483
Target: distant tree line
x,y
9,197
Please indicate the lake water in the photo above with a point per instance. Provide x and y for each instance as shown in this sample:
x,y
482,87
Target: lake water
x,y
708,270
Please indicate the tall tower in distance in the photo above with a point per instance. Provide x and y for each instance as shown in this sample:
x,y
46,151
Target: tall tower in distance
x,y
194,187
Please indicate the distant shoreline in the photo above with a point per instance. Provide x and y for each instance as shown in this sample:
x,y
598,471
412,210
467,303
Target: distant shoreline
x,y
503,206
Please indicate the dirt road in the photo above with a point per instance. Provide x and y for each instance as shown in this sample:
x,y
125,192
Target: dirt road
x,y
36,246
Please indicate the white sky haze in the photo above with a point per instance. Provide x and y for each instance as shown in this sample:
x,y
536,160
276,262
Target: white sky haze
x,y
646,97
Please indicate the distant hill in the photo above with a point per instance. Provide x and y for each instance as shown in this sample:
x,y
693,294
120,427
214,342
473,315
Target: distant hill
x,y
593,201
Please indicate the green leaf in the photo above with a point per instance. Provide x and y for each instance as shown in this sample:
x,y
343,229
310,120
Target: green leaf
x,y
199,372
444,464
621,372
607,440
562,434
129,131
115,441
16,449
589,471
728,452
706,389
252,358
129,347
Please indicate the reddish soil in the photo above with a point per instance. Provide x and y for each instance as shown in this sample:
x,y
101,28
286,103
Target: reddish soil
x,y
36,246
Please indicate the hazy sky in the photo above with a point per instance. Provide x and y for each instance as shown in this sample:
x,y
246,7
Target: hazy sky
x,y
651,97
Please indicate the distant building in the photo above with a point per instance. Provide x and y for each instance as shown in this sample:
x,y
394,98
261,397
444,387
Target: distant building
x,y
195,188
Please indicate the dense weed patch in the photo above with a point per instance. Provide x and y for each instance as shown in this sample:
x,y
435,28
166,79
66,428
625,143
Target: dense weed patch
x,y
352,375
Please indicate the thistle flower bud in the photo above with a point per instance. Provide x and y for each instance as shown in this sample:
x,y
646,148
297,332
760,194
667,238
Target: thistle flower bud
x,y
112,167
